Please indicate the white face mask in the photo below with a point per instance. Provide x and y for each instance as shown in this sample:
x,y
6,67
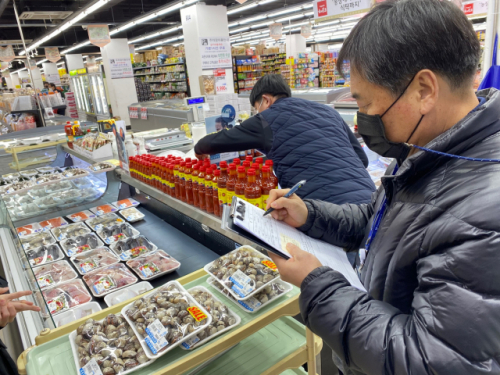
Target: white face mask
x,y
261,101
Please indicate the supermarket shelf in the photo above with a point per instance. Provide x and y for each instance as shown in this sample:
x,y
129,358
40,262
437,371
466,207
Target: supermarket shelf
x,y
65,148
55,356
148,67
150,74
168,90
177,80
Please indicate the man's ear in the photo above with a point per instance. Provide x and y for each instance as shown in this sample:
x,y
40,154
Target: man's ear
x,y
427,89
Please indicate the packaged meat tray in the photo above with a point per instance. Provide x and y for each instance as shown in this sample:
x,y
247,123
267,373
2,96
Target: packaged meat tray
x,y
81,216
132,214
37,240
44,255
253,304
161,330
117,232
243,272
52,223
50,275
109,279
125,203
66,296
153,265
103,209
132,248
94,259
28,229
80,244
69,231
104,221
123,357
223,318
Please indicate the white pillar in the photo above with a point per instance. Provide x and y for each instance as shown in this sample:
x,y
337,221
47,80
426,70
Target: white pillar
x,y
51,73
8,81
14,77
37,79
295,43
121,91
74,62
201,20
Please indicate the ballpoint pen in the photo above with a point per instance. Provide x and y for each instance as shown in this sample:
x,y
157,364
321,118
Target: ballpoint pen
x,y
289,194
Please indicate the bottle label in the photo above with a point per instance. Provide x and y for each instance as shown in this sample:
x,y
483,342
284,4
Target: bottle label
x,y
264,201
222,196
208,184
230,195
241,196
255,202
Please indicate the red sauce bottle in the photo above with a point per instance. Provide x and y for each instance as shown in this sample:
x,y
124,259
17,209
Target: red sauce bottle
x,y
259,161
266,185
252,189
246,164
215,195
239,188
196,172
209,191
172,179
213,167
201,188
273,178
176,178
249,158
257,174
231,182
188,172
237,162
182,181
221,184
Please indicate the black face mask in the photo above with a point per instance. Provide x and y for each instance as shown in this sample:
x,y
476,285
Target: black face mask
x,y
371,128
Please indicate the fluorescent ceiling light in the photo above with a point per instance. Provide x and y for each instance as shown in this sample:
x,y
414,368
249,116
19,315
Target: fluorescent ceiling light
x,y
159,48
41,61
290,18
265,2
239,30
247,20
242,8
99,58
288,10
263,24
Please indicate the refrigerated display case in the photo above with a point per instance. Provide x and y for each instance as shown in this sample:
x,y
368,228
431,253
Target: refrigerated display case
x,y
90,95
191,236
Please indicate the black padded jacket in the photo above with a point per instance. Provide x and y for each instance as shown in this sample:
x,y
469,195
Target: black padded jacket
x,y
433,271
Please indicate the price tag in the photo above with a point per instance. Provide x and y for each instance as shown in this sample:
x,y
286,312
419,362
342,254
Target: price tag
x,y
116,237
156,336
269,264
149,269
78,250
104,284
190,342
57,304
220,81
133,253
91,368
250,304
243,284
41,260
196,313
89,265
44,281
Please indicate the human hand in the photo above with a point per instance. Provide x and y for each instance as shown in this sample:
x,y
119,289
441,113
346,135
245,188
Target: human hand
x,y
292,211
202,156
9,307
295,269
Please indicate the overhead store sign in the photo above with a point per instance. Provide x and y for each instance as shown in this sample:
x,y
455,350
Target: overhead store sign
x,y
475,8
99,35
7,54
52,54
331,9
276,30
215,52
305,31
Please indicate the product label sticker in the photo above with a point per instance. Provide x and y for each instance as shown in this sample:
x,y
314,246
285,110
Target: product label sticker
x,y
190,342
78,250
61,237
45,280
156,339
250,304
104,284
91,368
58,304
149,269
89,265
284,240
243,285
196,313
137,251
114,238
269,264
41,260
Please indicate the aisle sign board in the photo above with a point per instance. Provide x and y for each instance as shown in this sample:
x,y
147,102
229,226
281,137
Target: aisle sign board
x,y
475,8
121,67
53,78
220,81
52,54
276,30
99,35
215,52
331,9
305,31
7,54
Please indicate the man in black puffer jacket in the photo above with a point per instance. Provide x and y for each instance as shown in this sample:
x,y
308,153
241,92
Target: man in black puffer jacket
x,y
306,141
432,257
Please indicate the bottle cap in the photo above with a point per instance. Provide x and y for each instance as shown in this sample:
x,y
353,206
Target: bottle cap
x,y
266,168
255,166
217,172
208,171
223,164
203,168
236,161
241,169
249,158
188,160
269,162
251,172
259,160
232,166
183,164
246,164
213,166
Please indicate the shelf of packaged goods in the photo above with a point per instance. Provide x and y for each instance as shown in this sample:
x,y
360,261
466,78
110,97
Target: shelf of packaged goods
x,y
246,71
289,341
155,66
156,73
248,79
168,90
176,80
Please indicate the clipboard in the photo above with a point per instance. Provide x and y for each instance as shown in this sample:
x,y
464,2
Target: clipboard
x,y
228,215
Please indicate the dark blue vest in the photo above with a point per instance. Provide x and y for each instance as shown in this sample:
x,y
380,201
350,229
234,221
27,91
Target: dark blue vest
x,y
311,143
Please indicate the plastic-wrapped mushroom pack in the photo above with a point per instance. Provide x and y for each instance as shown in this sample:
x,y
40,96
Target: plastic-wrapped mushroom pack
x,y
112,343
252,269
170,307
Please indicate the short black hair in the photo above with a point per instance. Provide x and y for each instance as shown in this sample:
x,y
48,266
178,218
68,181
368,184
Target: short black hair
x,y
52,84
272,84
397,39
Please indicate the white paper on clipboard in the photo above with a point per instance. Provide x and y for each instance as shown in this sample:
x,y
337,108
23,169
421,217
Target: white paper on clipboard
x,y
277,234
